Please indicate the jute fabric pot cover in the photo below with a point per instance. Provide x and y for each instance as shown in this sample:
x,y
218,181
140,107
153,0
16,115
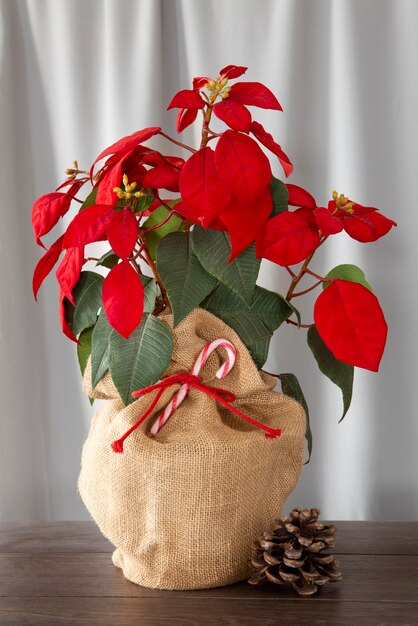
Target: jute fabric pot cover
x,y
183,508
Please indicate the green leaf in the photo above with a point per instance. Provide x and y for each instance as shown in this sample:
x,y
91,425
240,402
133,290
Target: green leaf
x,y
141,360
280,196
102,331
150,293
341,374
291,388
254,324
295,311
90,200
100,349
213,249
109,260
88,299
159,214
186,281
348,272
84,348
145,201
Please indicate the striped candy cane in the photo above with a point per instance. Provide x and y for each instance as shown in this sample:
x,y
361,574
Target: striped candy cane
x,y
187,381
199,364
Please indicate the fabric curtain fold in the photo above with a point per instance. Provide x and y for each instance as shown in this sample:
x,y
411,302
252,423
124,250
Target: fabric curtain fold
x,y
75,76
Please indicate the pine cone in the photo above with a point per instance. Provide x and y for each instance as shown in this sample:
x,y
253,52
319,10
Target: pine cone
x,y
294,553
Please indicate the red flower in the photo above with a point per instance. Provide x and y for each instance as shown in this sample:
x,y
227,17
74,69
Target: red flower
x,y
351,323
360,222
365,224
69,270
123,298
232,108
228,188
126,144
235,115
45,265
288,238
267,140
254,94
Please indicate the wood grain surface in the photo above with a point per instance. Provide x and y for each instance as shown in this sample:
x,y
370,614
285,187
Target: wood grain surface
x,y
61,573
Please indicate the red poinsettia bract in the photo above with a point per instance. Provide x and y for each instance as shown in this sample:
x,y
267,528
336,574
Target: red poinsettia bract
x,y
231,108
230,184
123,298
351,323
288,238
122,233
225,184
46,264
365,224
69,270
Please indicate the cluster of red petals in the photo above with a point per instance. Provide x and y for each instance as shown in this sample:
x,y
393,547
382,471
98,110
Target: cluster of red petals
x,y
48,209
223,186
365,224
288,238
123,292
232,110
291,236
228,188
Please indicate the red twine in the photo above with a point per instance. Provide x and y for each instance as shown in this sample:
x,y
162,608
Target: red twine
x,y
222,396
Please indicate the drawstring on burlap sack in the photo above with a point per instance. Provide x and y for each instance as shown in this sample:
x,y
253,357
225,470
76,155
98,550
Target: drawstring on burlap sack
x,y
189,380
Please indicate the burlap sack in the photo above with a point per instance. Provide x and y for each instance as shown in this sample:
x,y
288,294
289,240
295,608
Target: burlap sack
x,y
183,508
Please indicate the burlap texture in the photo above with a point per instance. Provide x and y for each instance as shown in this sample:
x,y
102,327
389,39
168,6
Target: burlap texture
x,y
182,509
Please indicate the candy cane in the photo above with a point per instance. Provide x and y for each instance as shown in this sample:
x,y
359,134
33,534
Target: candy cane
x,y
199,364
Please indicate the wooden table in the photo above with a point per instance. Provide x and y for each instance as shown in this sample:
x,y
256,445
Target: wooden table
x,y
61,573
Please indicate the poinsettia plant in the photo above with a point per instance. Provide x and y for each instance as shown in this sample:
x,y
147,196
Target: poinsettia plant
x,y
185,233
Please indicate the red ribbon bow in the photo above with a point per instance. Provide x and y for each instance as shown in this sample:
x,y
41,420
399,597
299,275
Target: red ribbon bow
x,y
222,396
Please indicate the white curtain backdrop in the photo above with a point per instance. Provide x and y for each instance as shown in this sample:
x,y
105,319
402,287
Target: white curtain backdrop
x,y
75,75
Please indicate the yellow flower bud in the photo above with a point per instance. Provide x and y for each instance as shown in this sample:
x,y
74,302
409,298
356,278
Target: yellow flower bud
x,y
225,93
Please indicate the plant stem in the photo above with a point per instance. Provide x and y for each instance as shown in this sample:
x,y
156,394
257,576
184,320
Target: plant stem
x,y
286,267
302,293
205,127
298,325
150,261
304,270
298,277
320,278
164,221
178,143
